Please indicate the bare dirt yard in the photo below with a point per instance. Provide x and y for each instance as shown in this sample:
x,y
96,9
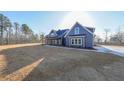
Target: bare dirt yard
x,y
37,62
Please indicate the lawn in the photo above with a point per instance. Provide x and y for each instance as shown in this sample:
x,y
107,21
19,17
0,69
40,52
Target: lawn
x,y
37,62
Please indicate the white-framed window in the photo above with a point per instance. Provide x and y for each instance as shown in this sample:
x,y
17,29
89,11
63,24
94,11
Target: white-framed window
x,y
79,41
76,30
72,41
76,41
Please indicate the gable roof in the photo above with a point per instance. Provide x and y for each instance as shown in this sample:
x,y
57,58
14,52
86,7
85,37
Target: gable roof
x,y
64,32
54,32
59,33
89,29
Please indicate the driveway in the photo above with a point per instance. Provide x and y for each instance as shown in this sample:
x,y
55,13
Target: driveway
x,y
116,50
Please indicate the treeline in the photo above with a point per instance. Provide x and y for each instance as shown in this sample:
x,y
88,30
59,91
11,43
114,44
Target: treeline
x,y
111,37
14,33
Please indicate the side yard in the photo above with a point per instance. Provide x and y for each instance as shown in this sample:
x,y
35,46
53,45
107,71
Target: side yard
x,y
37,62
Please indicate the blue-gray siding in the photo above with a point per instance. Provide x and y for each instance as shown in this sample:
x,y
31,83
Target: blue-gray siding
x,y
82,31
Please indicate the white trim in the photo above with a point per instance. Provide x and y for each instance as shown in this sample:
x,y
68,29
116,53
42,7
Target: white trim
x,y
76,43
65,32
73,41
82,42
86,29
76,36
70,29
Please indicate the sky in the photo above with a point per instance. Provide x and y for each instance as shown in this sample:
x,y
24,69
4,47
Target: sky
x,y
45,21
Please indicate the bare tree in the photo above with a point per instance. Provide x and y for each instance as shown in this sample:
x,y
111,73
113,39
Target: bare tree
x,y
16,27
42,38
8,26
97,39
5,26
106,35
118,37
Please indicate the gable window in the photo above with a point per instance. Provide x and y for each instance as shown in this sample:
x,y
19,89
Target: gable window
x,y
76,31
52,34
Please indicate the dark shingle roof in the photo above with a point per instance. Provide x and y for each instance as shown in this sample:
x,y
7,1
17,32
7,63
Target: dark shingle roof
x,y
61,33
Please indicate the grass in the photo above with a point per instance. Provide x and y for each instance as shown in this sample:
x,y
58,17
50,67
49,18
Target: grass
x,y
58,64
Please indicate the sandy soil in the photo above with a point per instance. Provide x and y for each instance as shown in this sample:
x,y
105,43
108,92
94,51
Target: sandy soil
x,y
37,62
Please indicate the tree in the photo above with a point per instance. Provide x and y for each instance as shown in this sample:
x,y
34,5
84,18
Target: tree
x,y
8,26
16,27
5,25
42,38
22,33
25,30
2,17
118,37
97,39
30,35
106,35
120,34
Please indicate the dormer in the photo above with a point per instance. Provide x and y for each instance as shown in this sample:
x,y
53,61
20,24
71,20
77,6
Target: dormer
x,y
52,33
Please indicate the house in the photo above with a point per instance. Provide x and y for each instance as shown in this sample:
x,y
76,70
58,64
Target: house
x,y
77,36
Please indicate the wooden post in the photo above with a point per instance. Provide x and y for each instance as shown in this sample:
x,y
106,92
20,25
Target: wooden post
x,y
69,41
61,41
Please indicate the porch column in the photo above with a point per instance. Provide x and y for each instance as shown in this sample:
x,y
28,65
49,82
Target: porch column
x,y
45,41
61,41
58,42
54,42
50,41
69,41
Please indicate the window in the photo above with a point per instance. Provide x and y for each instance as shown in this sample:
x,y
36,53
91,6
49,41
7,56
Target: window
x,y
52,34
72,41
76,41
79,41
76,30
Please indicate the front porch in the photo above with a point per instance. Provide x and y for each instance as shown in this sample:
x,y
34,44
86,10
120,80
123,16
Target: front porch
x,y
53,41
